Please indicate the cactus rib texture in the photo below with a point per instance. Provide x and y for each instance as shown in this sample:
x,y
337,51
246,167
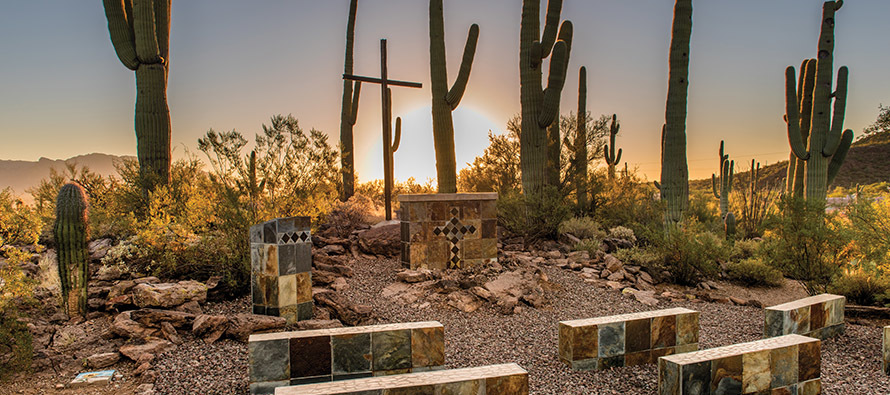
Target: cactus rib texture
x,y
612,158
821,156
722,185
349,110
446,100
540,106
71,232
581,142
674,168
140,34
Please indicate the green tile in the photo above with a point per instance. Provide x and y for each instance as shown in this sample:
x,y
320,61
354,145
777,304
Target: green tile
x,y
269,360
610,339
783,366
391,350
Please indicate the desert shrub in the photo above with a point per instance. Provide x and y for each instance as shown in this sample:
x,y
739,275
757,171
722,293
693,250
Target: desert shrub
x,y
582,228
349,215
620,232
691,255
589,245
498,168
648,257
15,296
533,216
869,227
807,244
862,285
373,190
753,272
744,249
107,217
630,202
19,223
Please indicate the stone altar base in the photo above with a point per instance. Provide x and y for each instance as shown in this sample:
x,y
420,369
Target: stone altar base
x,y
448,230
281,268
820,316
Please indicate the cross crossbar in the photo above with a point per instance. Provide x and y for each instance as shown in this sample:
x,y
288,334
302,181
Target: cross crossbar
x,y
380,81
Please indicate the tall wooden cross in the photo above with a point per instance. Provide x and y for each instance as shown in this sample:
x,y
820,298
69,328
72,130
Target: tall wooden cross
x,y
387,122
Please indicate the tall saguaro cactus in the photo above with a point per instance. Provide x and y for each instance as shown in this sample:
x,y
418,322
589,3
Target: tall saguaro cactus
x,y
445,100
540,106
722,185
826,146
71,232
805,85
394,144
581,142
349,110
140,34
612,158
674,169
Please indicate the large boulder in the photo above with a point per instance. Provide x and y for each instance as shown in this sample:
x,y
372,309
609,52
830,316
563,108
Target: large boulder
x,y
124,326
382,240
155,317
169,294
242,325
210,327
342,309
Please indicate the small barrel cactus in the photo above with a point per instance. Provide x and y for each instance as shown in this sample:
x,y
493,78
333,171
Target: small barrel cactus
x,y
71,232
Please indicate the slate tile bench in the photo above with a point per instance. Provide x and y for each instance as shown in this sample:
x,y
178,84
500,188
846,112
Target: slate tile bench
x,y
301,357
784,365
886,349
627,339
506,379
820,316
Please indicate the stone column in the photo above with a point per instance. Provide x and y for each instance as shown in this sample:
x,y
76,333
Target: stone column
x,y
281,268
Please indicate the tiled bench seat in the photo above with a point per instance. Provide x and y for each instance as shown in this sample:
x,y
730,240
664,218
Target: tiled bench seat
x,y
885,341
784,365
627,339
291,358
507,379
820,316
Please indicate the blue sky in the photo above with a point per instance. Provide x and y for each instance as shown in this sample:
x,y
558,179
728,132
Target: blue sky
x,y
63,91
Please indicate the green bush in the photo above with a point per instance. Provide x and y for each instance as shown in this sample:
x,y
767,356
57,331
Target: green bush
x,y
16,292
534,216
582,228
589,245
630,202
753,272
650,258
744,249
862,287
19,223
349,215
691,256
620,232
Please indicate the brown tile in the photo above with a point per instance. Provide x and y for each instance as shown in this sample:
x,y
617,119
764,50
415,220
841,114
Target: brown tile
x,y
510,385
417,211
417,231
687,328
427,347
489,228
470,210
271,287
439,211
809,360
584,343
817,317
474,229
488,209
418,253
566,341
489,248
660,352
271,266
304,287
783,391
471,249
637,335
638,358
800,319
416,390
664,331
783,366
460,388
726,373
310,356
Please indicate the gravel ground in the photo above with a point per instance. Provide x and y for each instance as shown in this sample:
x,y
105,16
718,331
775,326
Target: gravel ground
x,y
850,363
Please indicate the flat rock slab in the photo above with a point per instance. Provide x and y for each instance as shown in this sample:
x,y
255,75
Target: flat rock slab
x,y
169,294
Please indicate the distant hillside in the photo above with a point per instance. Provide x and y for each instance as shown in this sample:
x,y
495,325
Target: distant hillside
x,y
867,162
21,175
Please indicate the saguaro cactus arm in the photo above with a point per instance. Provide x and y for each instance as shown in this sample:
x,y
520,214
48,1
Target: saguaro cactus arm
x,y
147,49
353,109
792,117
119,14
556,80
837,121
612,157
839,155
541,49
460,84
398,137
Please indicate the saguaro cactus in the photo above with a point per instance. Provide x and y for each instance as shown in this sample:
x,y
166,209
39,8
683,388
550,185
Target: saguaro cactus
x,y
581,142
140,34
674,170
446,100
71,232
722,185
348,111
612,158
805,85
826,145
540,107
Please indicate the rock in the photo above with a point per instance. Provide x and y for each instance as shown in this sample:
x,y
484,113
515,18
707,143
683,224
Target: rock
x,y
145,389
463,301
342,270
614,284
322,278
339,284
145,366
507,283
612,263
414,276
343,310
147,280
481,292
334,249
210,327
124,326
613,244
242,325
99,248
381,240
98,361
646,297
153,348
644,285
108,273
646,277
553,254
617,276
605,273
318,324
755,303
154,317
191,307
632,269
121,288
149,376
507,305
169,294
738,301
170,334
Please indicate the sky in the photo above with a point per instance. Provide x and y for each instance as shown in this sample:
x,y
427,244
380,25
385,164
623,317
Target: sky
x,y
235,63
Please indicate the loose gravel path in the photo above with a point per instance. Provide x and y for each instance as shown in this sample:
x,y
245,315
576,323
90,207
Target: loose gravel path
x,y
850,363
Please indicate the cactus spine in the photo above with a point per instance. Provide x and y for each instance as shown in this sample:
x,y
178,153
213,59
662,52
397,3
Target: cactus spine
x,y
674,184
581,142
826,145
349,111
540,107
446,100
71,232
612,159
722,185
140,34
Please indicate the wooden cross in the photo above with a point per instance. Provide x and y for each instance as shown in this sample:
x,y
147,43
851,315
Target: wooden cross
x,y
387,122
